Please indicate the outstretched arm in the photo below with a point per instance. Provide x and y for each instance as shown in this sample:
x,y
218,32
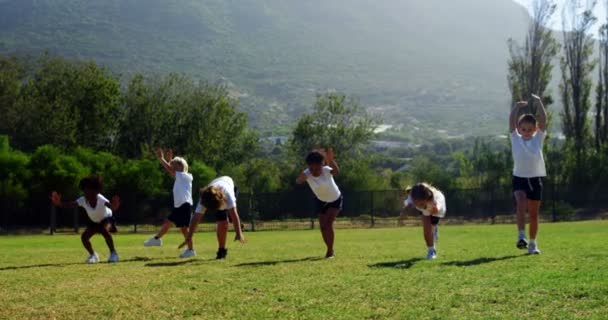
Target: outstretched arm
x,y
331,161
514,113
542,113
56,200
196,219
236,222
163,162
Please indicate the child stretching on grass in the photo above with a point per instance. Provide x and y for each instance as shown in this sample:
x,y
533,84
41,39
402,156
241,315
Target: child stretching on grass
x,y
182,201
320,178
430,203
99,210
527,139
219,197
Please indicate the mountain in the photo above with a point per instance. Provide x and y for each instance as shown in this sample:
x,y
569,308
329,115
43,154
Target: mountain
x,y
435,64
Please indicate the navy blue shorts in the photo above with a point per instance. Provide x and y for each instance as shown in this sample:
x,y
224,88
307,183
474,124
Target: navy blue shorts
x,y
532,186
98,226
323,206
181,216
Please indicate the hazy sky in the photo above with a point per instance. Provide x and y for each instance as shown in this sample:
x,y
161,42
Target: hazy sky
x,y
600,12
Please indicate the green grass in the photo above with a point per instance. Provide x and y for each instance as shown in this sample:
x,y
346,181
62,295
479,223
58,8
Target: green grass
x,y
378,274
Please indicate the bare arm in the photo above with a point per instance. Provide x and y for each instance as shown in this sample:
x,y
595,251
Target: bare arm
x,y
301,178
236,222
163,162
514,114
196,219
56,200
331,161
114,204
542,114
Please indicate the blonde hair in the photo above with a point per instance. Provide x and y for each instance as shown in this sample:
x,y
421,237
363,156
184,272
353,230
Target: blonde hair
x,y
212,197
180,161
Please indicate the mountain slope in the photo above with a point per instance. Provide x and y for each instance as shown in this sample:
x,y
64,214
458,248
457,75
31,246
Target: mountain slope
x,y
426,59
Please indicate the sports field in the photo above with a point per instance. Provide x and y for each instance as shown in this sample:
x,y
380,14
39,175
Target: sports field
x,y
377,274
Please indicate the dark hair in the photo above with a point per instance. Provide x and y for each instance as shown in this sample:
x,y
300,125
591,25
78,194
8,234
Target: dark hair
x,y
527,118
212,197
314,157
422,191
93,182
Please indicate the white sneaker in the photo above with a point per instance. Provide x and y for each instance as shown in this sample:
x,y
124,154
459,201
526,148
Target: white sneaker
x,y
533,249
94,258
113,257
188,253
431,254
153,242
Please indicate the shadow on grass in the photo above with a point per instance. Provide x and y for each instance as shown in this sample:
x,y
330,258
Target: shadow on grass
x,y
272,263
401,264
177,263
478,261
45,265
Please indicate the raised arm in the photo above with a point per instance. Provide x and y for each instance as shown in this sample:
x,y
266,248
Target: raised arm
x,y
301,178
236,222
56,200
331,161
514,114
161,157
542,113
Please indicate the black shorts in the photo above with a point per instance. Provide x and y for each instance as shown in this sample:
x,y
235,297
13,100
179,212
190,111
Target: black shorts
x,y
97,227
181,216
323,206
435,220
532,186
222,215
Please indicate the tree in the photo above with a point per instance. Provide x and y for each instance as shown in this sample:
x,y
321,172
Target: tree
x,y
530,65
601,104
66,104
335,122
577,65
11,75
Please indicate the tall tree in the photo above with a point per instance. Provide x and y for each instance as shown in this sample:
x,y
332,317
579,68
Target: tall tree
x,y
530,65
335,122
577,64
601,104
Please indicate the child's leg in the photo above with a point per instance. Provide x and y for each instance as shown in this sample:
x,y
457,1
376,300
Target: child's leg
x,y
85,237
330,217
533,212
427,229
163,229
323,227
522,206
105,232
222,232
185,233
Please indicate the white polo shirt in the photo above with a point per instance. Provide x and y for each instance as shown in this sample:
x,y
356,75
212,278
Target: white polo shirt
x,y
182,189
528,158
438,200
97,213
323,186
226,184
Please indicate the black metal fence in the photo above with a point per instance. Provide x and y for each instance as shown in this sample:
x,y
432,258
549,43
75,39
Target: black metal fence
x,y
294,209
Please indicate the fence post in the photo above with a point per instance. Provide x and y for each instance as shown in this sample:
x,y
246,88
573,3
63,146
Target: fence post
x,y
53,219
372,207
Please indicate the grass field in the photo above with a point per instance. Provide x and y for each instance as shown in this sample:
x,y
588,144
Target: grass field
x,y
377,274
